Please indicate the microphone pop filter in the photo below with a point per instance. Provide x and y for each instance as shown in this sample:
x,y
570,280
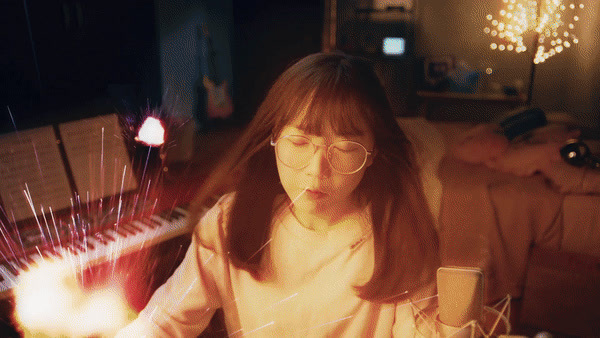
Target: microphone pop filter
x,y
460,295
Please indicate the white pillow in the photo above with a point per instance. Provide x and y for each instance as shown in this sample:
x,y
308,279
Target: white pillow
x,y
430,147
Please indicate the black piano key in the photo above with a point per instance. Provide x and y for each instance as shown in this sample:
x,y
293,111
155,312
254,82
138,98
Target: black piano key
x,y
100,238
54,252
121,232
24,266
135,227
151,223
128,229
11,267
106,235
71,248
167,216
88,242
83,244
178,214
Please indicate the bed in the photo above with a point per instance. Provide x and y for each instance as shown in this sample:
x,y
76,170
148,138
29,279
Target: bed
x,y
511,226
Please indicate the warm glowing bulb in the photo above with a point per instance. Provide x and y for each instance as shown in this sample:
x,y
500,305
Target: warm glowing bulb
x,y
559,48
510,47
572,6
575,40
489,17
576,18
495,22
493,46
571,26
581,6
501,47
489,71
487,30
567,44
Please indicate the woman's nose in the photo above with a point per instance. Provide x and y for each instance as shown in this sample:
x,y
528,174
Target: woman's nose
x,y
319,165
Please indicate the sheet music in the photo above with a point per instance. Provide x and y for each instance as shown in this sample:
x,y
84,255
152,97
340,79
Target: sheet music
x,y
97,156
30,161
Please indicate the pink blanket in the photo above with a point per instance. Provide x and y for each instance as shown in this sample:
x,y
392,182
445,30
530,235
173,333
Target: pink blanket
x,y
489,219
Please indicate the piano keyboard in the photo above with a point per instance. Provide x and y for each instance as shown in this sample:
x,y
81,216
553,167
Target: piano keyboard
x,y
105,245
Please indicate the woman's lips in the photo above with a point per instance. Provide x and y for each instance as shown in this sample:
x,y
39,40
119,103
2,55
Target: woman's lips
x,y
315,194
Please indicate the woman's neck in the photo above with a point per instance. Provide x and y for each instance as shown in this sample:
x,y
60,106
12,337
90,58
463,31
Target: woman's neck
x,y
324,221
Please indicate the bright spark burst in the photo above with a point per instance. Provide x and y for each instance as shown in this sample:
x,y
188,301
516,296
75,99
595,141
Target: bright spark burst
x,y
152,132
51,302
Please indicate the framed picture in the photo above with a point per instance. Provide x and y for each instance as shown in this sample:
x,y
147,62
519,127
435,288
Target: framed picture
x,y
437,69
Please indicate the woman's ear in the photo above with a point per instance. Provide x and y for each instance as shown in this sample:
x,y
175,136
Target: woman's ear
x,y
371,158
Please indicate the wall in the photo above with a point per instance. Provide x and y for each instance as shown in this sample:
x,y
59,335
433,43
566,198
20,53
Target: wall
x,y
269,35
567,82
178,22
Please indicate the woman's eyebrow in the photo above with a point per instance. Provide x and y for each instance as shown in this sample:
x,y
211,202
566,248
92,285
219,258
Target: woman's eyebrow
x,y
300,131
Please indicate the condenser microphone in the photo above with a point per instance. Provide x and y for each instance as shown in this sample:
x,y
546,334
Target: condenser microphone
x,y
460,301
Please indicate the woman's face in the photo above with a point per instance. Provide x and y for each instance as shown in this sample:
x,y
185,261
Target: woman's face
x,y
317,189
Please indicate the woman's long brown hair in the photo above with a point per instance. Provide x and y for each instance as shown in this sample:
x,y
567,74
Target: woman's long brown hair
x,y
342,92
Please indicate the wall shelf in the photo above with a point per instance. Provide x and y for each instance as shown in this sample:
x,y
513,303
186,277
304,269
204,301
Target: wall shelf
x,y
430,101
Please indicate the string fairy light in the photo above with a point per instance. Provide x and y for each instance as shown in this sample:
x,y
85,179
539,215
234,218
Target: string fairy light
x,y
552,21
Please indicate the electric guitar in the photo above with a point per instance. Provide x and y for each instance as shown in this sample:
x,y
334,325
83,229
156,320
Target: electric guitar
x,y
218,104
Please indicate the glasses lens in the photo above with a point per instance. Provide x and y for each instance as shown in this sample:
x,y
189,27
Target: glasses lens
x,y
294,151
347,157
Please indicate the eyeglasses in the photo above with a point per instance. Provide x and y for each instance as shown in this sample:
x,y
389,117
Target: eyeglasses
x,y
345,157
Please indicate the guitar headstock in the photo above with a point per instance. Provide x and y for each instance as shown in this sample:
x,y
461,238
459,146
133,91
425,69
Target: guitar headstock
x,y
204,30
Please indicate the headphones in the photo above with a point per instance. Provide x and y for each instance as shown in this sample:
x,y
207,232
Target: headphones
x,y
577,153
